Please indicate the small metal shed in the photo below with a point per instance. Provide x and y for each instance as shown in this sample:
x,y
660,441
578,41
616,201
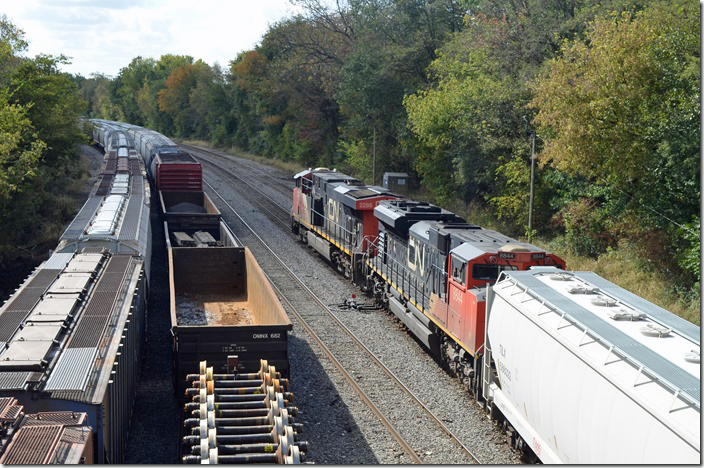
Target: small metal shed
x,y
396,182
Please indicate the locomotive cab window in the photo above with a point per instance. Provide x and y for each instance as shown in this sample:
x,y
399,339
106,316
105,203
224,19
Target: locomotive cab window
x,y
459,271
485,272
306,184
411,254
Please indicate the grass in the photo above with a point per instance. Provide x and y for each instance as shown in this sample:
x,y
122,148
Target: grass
x,y
620,266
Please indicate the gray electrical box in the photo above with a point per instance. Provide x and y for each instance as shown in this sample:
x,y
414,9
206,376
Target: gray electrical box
x,y
396,182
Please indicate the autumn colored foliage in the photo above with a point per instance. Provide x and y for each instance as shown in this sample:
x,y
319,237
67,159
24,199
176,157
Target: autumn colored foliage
x,y
453,92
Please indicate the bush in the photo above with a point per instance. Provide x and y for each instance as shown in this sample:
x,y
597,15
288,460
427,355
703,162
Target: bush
x,y
586,228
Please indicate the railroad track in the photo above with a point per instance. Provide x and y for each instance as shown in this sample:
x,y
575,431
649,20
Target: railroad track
x,y
306,307
274,182
277,212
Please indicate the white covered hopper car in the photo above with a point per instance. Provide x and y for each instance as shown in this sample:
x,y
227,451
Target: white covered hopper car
x,y
587,372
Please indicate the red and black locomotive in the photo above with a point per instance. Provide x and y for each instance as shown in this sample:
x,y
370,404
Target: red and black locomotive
x,y
426,264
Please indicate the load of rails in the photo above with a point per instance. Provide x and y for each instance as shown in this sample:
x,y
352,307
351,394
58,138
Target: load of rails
x,y
240,418
60,437
436,273
71,336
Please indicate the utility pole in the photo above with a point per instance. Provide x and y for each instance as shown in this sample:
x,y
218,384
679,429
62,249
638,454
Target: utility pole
x,y
532,175
374,157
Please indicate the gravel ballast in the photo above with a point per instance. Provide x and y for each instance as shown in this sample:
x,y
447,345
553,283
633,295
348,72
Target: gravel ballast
x,y
382,334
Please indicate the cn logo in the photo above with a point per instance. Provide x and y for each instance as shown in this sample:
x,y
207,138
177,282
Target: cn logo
x,y
457,296
333,214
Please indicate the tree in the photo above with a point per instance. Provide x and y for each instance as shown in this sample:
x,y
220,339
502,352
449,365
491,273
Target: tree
x,y
471,119
20,148
39,131
175,98
622,109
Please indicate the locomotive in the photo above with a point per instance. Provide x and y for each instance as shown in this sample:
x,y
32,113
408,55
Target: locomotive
x,y
425,264
334,214
573,367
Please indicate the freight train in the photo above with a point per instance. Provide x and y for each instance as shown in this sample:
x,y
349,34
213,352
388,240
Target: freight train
x,y
71,336
219,296
576,369
223,310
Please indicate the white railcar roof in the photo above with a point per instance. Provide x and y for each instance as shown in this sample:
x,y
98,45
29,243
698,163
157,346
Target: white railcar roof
x,y
115,216
655,341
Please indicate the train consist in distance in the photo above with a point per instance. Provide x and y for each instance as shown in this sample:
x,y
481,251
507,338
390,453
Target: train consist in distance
x,y
223,310
72,335
575,368
219,297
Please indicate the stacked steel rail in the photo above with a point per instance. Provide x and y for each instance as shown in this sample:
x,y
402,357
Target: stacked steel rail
x,y
241,418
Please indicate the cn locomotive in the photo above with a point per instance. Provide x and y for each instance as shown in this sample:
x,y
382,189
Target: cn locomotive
x,y
505,318
426,264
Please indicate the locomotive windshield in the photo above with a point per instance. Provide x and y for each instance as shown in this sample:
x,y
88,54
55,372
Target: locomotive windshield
x,y
485,272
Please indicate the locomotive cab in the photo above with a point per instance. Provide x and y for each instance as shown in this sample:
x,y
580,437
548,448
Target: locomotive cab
x,y
432,270
333,213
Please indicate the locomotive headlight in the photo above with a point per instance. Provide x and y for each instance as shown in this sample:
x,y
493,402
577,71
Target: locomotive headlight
x,y
492,259
548,261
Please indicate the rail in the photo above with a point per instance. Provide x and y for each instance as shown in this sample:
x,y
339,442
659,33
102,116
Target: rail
x,y
359,343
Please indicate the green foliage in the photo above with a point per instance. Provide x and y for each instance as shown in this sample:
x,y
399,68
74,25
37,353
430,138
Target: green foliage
x,y
451,91
20,149
690,258
622,107
513,203
39,133
473,116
